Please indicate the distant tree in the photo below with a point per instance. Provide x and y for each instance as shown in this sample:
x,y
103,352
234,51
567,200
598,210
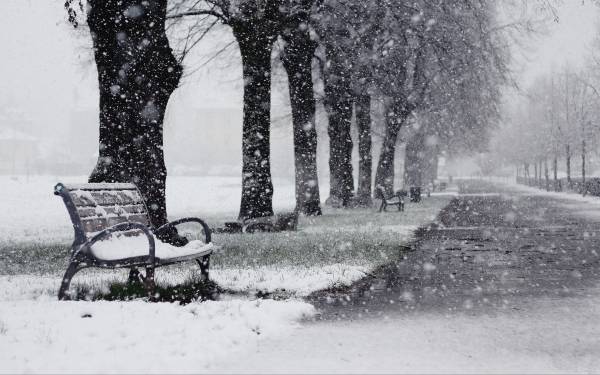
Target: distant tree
x,y
347,31
448,61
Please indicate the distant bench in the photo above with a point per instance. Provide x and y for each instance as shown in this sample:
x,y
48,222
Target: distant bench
x,y
396,200
113,230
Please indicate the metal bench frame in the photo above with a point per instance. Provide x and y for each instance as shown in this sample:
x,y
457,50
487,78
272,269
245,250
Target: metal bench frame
x,y
82,256
396,200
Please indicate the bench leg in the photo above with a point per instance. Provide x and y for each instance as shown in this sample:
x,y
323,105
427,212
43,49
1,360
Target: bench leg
x,y
149,283
134,276
66,281
204,264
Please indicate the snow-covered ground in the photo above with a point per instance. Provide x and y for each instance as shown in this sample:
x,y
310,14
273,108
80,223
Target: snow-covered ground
x,y
336,249
46,336
40,334
549,335
548,325
586,206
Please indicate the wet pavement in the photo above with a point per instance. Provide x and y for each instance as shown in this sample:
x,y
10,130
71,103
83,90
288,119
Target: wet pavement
x,y
492,249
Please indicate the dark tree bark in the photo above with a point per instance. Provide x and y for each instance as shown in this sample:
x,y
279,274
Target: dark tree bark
x,y
395,117
365,159
541,172
339,103
429,162
535,172
297,61
546,175
414,161
583,163
255,39
137,74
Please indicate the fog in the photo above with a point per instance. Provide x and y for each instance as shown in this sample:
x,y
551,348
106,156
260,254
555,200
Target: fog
x,y
50,92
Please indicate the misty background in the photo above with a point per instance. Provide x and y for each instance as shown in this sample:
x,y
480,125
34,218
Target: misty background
x,y
49,101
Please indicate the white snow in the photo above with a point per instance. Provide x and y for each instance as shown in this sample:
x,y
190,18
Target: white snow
x,y
40,334
586,206
297,281
546,335
122,247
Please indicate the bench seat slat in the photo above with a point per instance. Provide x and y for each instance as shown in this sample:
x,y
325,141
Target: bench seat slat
x,y
101,186
96,224
91,198
109,211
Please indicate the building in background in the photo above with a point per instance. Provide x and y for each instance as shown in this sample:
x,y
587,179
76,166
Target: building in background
x,y
19,152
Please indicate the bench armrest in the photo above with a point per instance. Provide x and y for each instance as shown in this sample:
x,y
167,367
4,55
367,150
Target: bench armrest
x,y
175,223
123,227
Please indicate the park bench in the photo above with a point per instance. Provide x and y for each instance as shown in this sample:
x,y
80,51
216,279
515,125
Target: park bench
x,y
415,194
113,230
396,200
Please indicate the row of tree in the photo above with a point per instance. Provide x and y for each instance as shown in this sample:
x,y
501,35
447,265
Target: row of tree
x,y
437,65
556,127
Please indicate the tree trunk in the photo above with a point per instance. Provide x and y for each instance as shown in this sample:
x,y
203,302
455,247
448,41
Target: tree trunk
x,y
365,160
395,117
257,186
568,156
535,172
546,175
339,102
583,164
297,61
540,167
137,74
430,163
414,161
555,171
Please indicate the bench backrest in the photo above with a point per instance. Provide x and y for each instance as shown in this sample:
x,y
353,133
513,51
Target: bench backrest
x,y
95,207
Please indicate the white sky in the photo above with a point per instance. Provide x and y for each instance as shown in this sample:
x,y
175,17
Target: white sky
x,y
45,71
567,40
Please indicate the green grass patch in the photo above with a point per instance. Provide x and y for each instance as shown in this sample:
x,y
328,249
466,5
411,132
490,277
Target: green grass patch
x,y
191,290
356,237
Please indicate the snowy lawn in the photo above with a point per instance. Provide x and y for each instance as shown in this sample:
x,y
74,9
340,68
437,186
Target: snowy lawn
x,y
40,334
44,335
336,249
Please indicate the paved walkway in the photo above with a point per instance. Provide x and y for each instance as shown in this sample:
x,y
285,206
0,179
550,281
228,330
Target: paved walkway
x,y
489,248
504,281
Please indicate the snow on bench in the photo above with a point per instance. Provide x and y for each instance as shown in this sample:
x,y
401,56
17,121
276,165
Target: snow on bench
x,y
113,230
124,247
